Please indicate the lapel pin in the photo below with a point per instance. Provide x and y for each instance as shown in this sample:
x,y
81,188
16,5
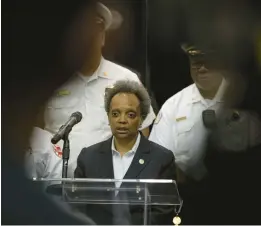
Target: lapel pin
x,y
141,161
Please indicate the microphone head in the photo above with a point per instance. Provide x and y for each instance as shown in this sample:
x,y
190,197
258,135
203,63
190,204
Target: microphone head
x,y
55,140
77,115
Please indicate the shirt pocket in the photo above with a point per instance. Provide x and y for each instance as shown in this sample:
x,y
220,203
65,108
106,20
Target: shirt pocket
x,y
184,141
184,126
59,109
63,102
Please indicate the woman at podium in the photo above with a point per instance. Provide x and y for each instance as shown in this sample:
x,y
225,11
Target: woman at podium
x,y
127,155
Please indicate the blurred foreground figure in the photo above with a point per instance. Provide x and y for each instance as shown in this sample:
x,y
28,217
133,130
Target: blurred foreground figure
x,y
32,42
83,92
233,161
127,155
234,151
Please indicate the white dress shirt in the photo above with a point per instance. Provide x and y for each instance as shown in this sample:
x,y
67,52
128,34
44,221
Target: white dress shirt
x,y
121,164
179,127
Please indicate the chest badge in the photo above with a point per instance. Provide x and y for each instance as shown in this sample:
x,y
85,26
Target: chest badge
x,y
58,151
181,118
63,93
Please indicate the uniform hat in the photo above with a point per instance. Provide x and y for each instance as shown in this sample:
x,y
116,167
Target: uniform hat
x,y
209,54
194,50
105,14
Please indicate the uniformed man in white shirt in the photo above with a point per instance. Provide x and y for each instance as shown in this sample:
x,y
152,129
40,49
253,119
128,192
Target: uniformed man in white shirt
x,y
179,125
84,92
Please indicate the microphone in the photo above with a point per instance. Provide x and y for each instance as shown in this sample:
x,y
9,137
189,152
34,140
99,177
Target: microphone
x,y
75,118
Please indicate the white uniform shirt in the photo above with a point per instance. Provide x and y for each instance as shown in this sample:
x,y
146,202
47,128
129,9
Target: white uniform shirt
x,y
179,127
121,164
86,95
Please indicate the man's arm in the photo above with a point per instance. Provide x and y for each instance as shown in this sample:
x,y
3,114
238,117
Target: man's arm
x,y
162,130
147,122
40,153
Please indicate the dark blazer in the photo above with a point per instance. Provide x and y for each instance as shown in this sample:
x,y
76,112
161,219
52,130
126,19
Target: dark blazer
x,y
159,163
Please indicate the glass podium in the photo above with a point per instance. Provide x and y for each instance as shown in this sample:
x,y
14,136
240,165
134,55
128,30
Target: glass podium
x,y
145,193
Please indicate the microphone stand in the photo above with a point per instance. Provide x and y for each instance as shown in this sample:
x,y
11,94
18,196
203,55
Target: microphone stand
x,y
60,189
66,156
66,152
